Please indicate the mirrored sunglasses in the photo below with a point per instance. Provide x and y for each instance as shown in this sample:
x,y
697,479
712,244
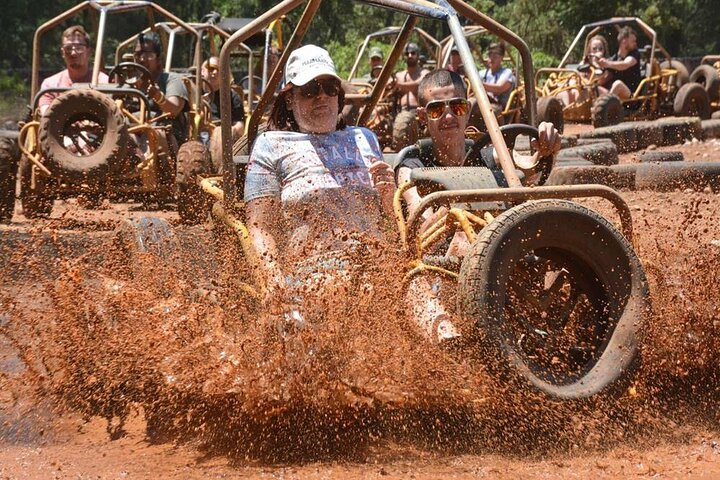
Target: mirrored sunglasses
x,y
312,89
458,107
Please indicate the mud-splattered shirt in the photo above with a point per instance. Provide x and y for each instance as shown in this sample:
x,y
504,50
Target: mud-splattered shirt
x,y
323,185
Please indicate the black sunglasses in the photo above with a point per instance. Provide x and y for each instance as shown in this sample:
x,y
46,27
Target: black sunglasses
x,y
312,89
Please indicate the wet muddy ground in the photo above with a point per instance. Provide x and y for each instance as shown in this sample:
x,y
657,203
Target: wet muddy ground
x,y
108,371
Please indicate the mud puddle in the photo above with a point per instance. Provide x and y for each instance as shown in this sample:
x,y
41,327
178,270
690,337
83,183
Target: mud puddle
x,y
115,370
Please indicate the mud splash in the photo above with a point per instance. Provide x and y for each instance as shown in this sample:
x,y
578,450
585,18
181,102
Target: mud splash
x,y
190,354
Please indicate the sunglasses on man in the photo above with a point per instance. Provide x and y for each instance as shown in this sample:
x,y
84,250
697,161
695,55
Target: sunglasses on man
x,y
312,89
458,107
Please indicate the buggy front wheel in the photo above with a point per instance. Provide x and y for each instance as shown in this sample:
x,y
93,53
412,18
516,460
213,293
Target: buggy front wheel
x,y
558,298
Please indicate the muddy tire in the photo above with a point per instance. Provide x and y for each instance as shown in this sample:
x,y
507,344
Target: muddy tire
x,y
624,136
710,128
648,133
550,109
654,156
607,110
9,154
192,160
670,176
602,153
36,202
709,78
88,117
682,76
692,101
577,173
679,129
558,298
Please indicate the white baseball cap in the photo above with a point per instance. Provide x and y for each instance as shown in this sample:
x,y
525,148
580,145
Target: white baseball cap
x,y
307,63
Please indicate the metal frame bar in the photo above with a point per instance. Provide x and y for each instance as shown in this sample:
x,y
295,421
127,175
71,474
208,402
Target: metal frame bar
x,y
521,194
103,7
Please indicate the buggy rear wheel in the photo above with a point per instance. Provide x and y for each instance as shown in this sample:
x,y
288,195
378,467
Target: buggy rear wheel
x,y
558,297
9,154
692,101
193,204
550,109
37,199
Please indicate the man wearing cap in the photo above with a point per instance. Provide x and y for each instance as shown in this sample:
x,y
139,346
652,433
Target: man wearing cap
x,y
76,52
210,72
376,64
455,63
405,127
166,89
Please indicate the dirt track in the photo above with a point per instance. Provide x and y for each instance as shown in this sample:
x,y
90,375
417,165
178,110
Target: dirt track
x,y
669,429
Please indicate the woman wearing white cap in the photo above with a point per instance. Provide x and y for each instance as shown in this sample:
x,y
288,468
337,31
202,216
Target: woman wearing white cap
x,y
315,190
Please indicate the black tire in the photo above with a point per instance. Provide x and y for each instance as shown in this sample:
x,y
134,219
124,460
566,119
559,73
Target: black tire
x,y
709,78
36,202
692,101
550,109
669,176
655,156
9,154
624,136
648,133
577,173
193,204
601,280
710,128
607,110
682,76
603,153
677,130
108,135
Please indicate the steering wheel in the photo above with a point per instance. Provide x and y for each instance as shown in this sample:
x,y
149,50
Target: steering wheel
x,y
510,132
131,74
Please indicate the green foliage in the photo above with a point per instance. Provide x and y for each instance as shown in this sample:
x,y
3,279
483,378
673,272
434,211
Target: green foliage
x,y
13,85
544,60
685,27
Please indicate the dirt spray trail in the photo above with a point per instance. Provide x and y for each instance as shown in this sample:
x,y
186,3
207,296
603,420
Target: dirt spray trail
x,y
160,351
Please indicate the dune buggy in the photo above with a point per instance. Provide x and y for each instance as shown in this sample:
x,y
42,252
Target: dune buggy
x,y
82,144
662,91
554,293
384,113
707,74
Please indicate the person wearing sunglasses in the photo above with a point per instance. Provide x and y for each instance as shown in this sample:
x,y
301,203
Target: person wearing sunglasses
x,y
210,72
166,89
316,191
76,52
405,82
597,48
446,110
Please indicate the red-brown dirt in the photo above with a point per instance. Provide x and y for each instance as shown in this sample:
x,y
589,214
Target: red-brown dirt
x,y
109,370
